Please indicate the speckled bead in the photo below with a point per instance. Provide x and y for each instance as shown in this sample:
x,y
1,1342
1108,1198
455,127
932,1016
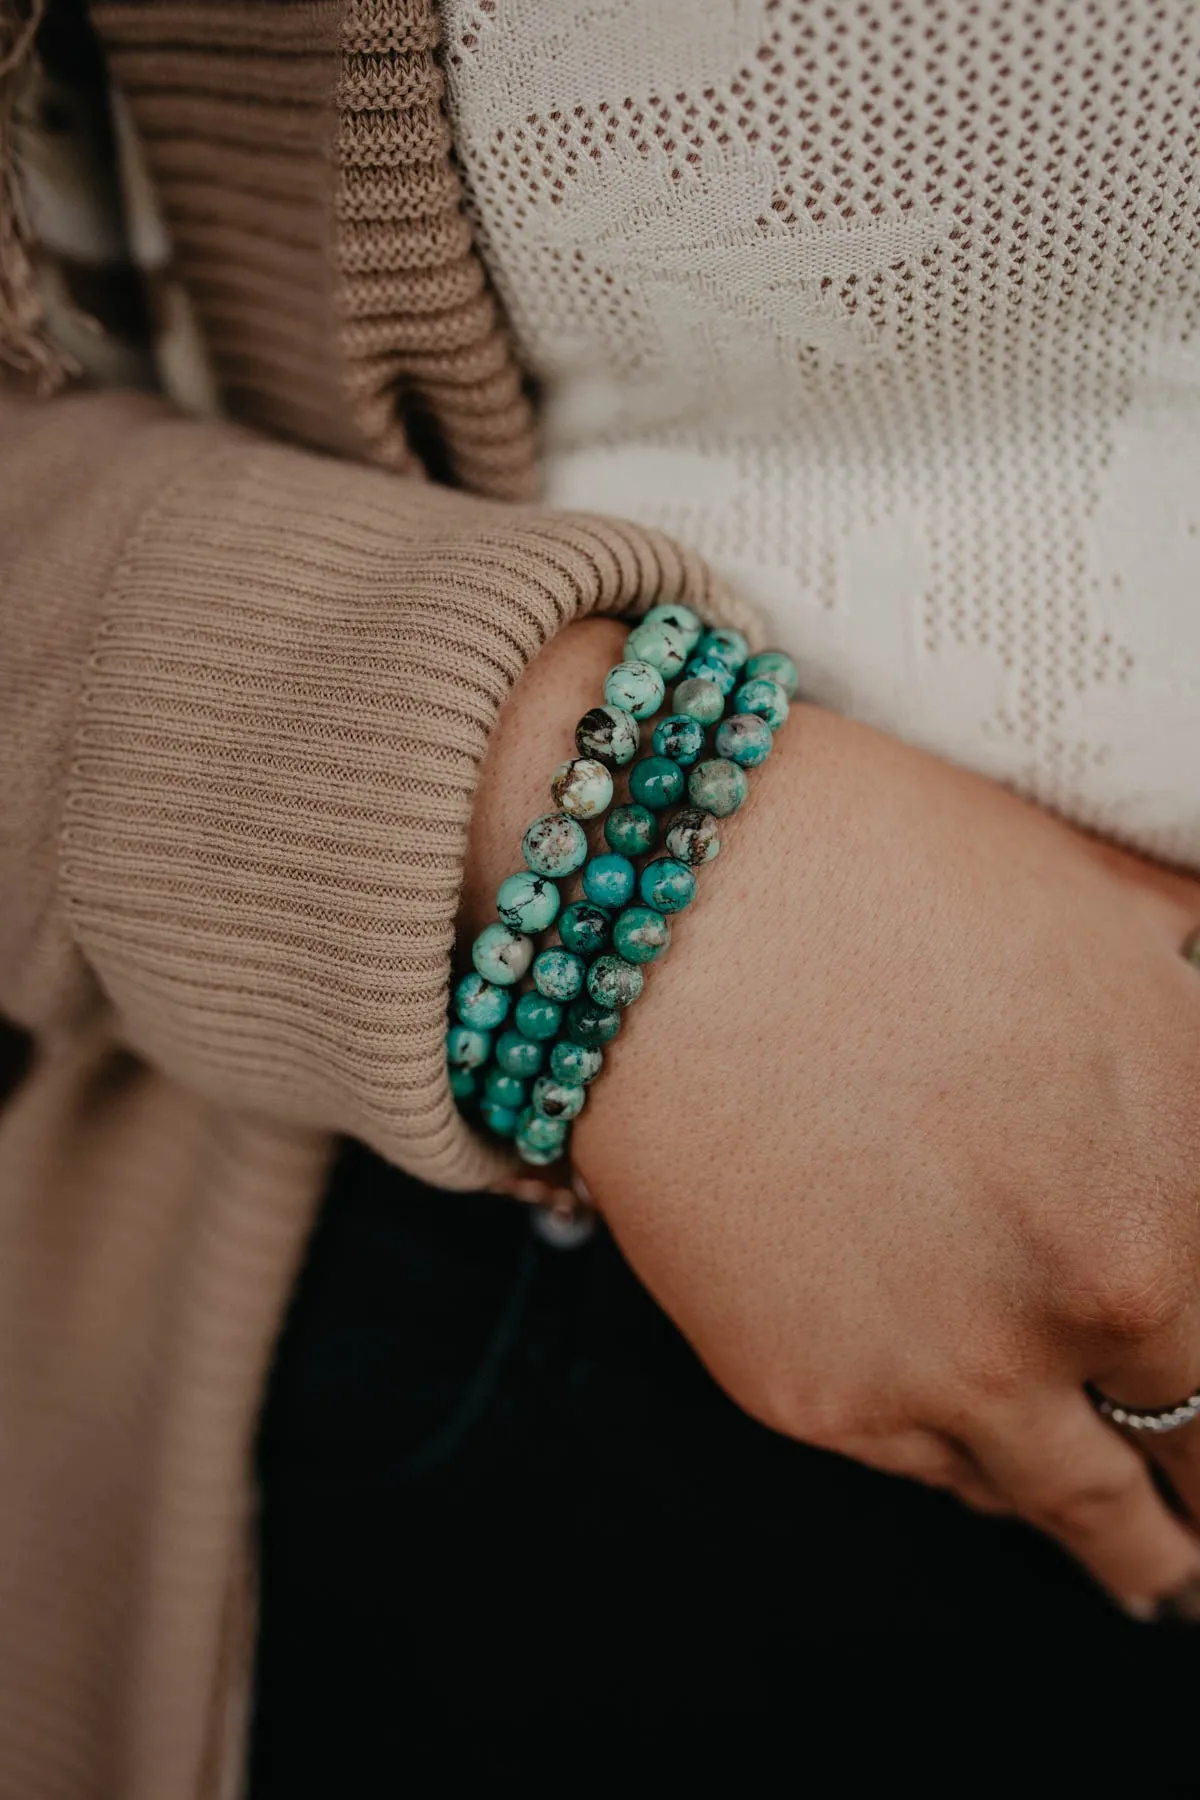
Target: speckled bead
x,y
663,646
556,1099
701,668
505,1090
681,617
635,687
766,699
699,699
537,1018
609,880
717,787
630,830
590,1023
519,1055
575,1063
583,787
584,927
680,737
480,1004
775,666
500,955
656,782
501,1120
745,739
721,645
527,902
692,837
640,934
559,974
535,1153
464,1083
555,845
614,982
546,1134
666,885
609,735
467,1047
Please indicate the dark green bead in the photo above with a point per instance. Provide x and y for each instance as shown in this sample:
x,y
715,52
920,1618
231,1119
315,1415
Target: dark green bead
x,y
519,1055
656,782
575,1063
680,737
699,668
609,880
641,934
666,885
765,699
463,1083
537,1017
631,830
537,1154
584,927
589,1023
614,982
559,974
504,1090
502,1120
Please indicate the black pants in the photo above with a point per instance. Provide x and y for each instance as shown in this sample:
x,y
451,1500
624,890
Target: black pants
x,y
499,1487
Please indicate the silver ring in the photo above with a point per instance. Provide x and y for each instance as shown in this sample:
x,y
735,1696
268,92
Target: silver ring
x,y
1158,1420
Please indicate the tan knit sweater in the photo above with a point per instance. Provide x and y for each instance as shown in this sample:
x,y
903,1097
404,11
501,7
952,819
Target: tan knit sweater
x,y
245,687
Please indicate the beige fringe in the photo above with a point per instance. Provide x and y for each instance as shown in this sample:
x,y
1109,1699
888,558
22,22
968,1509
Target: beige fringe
x,y
24,346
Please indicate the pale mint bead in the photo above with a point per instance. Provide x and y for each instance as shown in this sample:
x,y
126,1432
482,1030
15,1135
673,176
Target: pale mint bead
x,y
505,1090
663,646
527,902
467,1047
693,838
680,737
584,927
463,1083
776,667
630,830
537,1129
614,982
718,787
559,974
501,955
609,735
583,787
590,1023
729,648
681,617
556,1099
666,885
745,739
640,934
765,698
480,1004
575,1063
656,782
537,1017
703,668
555,845
699,699
609,880
636,687
519,1055
501,1120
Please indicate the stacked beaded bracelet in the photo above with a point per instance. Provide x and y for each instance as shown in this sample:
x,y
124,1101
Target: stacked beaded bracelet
x,y
527,1065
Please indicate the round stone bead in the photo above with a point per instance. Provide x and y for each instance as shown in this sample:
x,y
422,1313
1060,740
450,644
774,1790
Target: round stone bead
x,y
480,1004
656,782
692,838
702,668
518,1055
718,787
635,687
555,845
559,974
764,698
745,739
537,1018
557,1099
729,648
666,885
533,1153
467,1047
527,902
583,787
775,666
590,1023
575,1063
463,1083
681,617
502,1120
609,880
504,1090
640,934
630,830
546,1134
608,734
699,699
680,737
501,955
585,927
614,982
663,646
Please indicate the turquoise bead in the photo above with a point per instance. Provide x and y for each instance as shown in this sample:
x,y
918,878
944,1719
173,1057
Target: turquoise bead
x,y
666,885
614,982
699,699
589,1023
463,1083
575,1063
504,1090
641,934
656,782
635,687
502,1120
501,955
582,787
584,926
609,880
559,974
519,1055
609,735
527,902
776,667
765,698
543,1133
480,1004
692,837
718,787
681,617
556,1099
555,845
680,737
537,1017
467,1047
534,1153
729,648
631,830
744,739
663,646
700,668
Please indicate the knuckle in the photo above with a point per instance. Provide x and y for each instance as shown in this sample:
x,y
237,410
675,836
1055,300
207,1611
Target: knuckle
x,y
1085,1509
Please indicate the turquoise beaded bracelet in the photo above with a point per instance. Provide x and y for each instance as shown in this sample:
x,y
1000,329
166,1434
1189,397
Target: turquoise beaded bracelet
x,y
526,1059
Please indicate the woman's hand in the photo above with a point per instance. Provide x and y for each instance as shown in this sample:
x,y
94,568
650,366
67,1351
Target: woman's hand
x,y
905,1131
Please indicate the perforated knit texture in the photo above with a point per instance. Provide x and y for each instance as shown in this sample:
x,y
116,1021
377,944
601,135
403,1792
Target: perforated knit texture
x,y
890,310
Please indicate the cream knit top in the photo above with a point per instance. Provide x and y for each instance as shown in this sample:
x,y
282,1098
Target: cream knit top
x,y
890,309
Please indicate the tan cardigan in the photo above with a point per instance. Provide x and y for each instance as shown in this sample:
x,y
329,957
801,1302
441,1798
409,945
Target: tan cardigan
x,y
245,686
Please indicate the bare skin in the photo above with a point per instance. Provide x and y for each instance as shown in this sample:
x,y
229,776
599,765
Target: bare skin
x,y
904,1132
